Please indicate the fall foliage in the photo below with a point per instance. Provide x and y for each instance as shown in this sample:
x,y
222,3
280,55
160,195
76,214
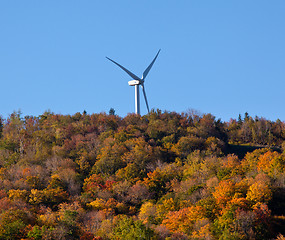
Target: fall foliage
x,y
160,176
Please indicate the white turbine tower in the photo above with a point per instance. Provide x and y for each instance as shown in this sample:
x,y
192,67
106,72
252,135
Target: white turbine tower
x,y
138,81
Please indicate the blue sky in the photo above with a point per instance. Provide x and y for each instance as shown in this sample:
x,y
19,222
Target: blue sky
x,y
220,57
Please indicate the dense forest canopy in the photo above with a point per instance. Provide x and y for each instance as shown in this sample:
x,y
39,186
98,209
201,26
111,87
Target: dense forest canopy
x,y
164,175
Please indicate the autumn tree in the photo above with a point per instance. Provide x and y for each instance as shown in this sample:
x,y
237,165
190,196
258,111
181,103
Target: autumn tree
x,y
127,228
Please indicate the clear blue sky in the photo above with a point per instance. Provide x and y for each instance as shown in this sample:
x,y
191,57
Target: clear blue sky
x,y
220,57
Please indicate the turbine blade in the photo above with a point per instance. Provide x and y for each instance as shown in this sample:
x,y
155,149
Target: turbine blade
x,y
150,66
145,97
126,70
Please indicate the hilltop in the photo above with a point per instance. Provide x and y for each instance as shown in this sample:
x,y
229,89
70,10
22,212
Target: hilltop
x,y
165,175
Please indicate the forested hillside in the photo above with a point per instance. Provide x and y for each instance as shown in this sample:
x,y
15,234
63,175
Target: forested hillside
x,y
160,176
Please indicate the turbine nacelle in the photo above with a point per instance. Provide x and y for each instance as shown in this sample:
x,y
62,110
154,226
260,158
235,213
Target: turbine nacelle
x,y
134,82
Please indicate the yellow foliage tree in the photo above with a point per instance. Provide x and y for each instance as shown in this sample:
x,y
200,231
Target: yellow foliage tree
x,y
259,192
271,163
147,212
166,206
98,204
17,194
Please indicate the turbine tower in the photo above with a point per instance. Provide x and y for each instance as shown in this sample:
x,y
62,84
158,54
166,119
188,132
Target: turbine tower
x,y
138,81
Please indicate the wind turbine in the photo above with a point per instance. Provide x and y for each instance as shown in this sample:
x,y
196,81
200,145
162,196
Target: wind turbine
x,y
138,81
